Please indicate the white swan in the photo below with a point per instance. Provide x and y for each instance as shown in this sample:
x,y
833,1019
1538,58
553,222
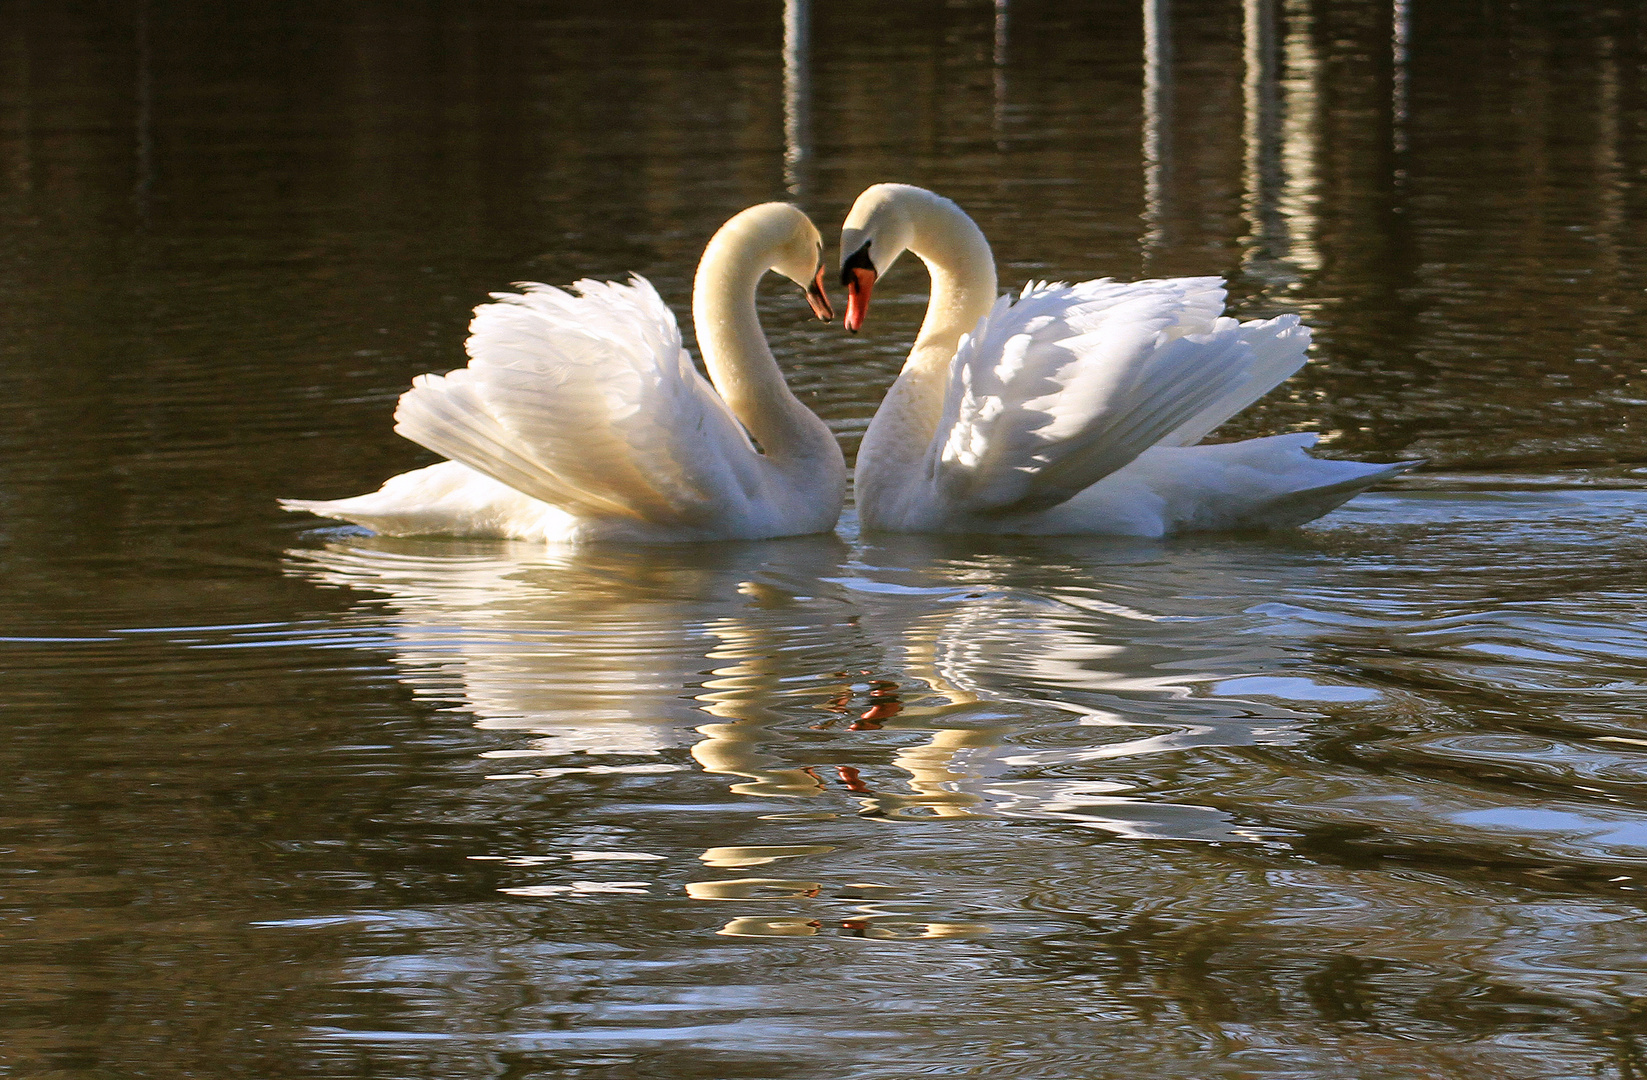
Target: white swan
x,y
1075,408
581,417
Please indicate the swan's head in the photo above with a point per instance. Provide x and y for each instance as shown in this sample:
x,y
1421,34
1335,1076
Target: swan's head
x,y
879,228
782,239
890,219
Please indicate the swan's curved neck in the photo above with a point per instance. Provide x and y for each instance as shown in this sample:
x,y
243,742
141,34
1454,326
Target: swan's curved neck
x,y
735,351
963,291
963,279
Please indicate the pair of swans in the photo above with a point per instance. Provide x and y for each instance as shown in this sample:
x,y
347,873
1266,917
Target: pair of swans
x,y
1072,409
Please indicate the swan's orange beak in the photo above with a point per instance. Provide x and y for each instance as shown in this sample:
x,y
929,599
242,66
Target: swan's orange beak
x,y
860,282
819,299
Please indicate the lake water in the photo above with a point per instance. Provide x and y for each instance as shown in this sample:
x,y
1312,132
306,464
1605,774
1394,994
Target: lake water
x,y
1366,800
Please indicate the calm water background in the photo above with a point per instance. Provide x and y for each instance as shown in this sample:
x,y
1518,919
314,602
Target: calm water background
x,y
1367,800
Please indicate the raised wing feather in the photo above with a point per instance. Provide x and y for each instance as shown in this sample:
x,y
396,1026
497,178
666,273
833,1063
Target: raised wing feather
x,y
1278,349
1057,390
588,402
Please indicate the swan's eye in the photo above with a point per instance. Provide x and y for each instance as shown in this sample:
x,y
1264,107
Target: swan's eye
x,y
859,260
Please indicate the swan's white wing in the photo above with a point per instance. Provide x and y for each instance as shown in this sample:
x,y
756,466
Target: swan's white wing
x,y
1278,349
588,402
1057,390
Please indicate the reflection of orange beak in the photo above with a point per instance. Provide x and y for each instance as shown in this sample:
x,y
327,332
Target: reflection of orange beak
x,y
819,299
860,283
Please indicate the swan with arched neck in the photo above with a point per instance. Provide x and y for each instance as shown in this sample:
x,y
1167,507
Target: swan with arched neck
x,y
580,415
1072,409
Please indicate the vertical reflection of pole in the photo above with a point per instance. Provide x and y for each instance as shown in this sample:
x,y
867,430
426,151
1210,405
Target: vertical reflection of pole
x,y
1157,121
1401,26
145,115
1301,77
999,56
797,92
1262,130
1612,205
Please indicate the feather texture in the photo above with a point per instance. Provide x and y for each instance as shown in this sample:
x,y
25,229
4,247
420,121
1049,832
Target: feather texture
x,y
1057,390
589,402
580,414
1076,408
1067,384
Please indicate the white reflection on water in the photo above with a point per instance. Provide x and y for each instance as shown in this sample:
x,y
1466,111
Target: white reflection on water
x,y
1282,131
1158,118
628,653
1141,689
797,94
1160,784
590,652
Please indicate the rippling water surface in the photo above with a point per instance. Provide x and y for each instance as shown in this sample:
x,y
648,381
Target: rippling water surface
x,y
1364,800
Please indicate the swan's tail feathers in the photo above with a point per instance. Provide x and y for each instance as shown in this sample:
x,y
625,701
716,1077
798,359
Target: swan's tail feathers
x,y
317,507
356,511
587,402
362,510
1278,349
411,504
1267,483
446,499
1294,508
1070,383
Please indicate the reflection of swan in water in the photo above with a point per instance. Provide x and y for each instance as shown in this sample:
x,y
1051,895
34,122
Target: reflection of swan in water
x,y
587,649
887,679
1016,636
741,692
798,673
935,651
865,926
869,919
590,652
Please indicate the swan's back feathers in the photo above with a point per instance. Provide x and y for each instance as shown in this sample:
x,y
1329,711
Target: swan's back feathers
x,y
590,403
1057,390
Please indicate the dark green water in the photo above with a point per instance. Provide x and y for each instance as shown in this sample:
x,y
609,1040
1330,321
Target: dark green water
x,y
1364,801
